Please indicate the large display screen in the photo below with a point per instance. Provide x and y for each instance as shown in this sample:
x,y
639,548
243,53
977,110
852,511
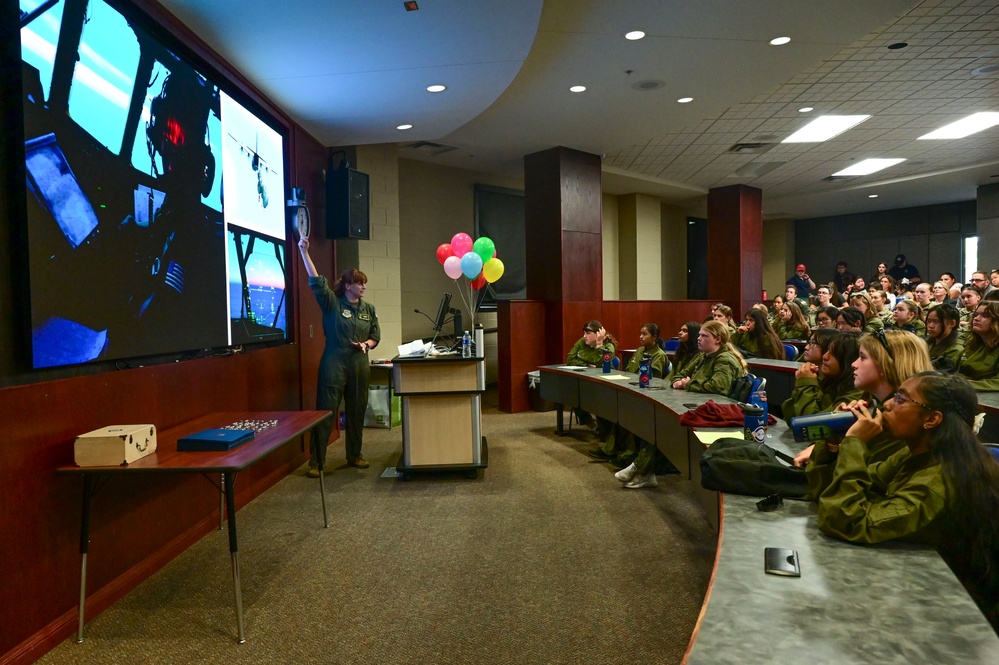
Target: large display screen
x,y
155,219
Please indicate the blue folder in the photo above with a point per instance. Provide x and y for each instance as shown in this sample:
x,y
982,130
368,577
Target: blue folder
x,y
214,439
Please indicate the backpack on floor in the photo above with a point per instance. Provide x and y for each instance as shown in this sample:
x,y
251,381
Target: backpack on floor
x,y
737,466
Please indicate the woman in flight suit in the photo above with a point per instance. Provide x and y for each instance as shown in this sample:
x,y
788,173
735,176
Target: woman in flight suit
x,y
351,329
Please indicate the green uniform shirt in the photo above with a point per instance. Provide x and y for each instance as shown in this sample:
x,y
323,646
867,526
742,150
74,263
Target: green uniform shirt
x,y
807,397
915,326
901,497
343,323
716,374
685,367
659,361
951,353
790,333
582,354
981,367
872,324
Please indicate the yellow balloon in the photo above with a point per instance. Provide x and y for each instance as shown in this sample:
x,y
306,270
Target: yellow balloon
x,y
493,270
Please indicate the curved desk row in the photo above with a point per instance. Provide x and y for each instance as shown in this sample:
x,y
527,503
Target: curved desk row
x,y
852,604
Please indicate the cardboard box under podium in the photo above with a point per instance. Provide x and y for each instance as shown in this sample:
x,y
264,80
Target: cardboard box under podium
x,y
114,446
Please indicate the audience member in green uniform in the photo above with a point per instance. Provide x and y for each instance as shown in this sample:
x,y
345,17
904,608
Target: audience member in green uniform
x,y
822,387
886,359
621,447
351,329
908,317
825,317
941,337
724,314
773,313
979,363
850,319
756,337
970,297
942,488
792,323
722,364
881,305
862,301
588,351
686,358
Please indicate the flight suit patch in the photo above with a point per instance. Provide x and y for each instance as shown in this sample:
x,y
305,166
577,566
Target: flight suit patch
x,y
364,317
346,313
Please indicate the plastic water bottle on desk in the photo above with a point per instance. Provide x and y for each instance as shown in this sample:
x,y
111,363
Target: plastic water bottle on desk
x,y
607,361
754,420
466,345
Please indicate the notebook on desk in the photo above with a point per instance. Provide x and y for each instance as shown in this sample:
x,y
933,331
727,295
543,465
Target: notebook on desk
x,y
214,439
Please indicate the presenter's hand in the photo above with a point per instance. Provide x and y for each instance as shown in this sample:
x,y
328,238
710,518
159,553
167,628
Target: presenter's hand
x,y
360,346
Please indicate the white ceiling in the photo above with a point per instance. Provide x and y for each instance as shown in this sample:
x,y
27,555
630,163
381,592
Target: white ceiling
x,y
350,71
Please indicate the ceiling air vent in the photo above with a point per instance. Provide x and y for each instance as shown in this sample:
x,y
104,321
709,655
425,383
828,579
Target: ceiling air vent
x,y
751,148
429,148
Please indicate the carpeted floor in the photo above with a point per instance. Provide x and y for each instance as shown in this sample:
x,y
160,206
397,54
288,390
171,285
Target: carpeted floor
x,y
544,558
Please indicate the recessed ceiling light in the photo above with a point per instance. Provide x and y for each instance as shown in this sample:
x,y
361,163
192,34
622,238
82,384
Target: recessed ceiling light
x,y
685,100
634,35
897,45
779,41
806,109
578,88
436,88
975,122
824,128
869,166
404,127
872,196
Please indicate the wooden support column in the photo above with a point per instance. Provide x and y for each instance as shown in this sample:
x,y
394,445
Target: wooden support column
x,y
562,201
735,246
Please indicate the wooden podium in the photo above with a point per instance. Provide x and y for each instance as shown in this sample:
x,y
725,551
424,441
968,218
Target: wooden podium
x,y
441,413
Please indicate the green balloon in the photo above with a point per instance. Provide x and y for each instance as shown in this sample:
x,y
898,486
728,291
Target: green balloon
x,y
485,248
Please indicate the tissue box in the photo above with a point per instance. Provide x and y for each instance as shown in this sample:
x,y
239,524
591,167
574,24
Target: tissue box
x,y
114,446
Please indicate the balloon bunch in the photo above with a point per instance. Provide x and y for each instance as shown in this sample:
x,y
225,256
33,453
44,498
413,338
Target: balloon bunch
x,y
476,262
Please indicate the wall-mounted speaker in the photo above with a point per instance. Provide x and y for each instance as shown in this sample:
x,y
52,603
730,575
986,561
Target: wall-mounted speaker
x,y
347,203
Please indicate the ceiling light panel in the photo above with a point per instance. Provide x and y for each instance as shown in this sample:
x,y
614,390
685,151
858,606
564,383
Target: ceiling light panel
x,y
824,128
869,166
965,126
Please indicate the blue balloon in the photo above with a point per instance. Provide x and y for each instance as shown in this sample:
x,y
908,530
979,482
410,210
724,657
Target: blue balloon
x,y
471,265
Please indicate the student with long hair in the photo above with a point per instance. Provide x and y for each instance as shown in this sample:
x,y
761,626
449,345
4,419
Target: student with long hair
x,y
722,364
756,337
941,336
862,301
908,317
942,488
979,363
886,359
881,305
773,313
792,323
724,314
822,386
970,297
686,358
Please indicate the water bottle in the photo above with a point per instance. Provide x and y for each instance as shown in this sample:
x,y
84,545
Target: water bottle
x,y
466,345
759,398
753,421
645,371
607,361
822,426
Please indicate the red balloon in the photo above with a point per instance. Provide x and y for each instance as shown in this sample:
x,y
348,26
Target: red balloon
x,y
443,252
478,282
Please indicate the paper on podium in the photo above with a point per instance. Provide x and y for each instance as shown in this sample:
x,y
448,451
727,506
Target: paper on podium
x,y
414,348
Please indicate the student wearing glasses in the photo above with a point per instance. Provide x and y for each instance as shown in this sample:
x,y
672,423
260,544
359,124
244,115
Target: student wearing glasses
x,y
981,282
885,360
941,488
979,363
825,379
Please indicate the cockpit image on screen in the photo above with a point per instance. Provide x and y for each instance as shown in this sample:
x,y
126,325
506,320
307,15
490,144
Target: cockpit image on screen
x,y
142,177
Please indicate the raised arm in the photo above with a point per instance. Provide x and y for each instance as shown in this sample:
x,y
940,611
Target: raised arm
x,y
310,267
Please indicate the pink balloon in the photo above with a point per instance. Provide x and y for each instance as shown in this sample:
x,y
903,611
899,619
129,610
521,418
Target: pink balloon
x,y
443,252
461,244
452,267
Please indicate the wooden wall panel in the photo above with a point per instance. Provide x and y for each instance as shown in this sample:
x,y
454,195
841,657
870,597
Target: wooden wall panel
x,y
735,241
582,267
521,344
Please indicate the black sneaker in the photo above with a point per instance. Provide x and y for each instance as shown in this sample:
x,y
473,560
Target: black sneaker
x,y
598,453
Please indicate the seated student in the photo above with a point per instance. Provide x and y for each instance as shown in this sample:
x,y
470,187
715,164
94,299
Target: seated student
x,y
880,304
792,323
826,317
908,317
902,290
724,314
942,489
970,297
773,314
722,364
589,352
979,362
622,444
941,294
821,386
941,337
953,286
886,359
823,298
922,294
756,337
888,286
850,319
862,301
686,358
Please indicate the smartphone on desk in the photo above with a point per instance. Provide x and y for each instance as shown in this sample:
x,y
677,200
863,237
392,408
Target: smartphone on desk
x,y
779,561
